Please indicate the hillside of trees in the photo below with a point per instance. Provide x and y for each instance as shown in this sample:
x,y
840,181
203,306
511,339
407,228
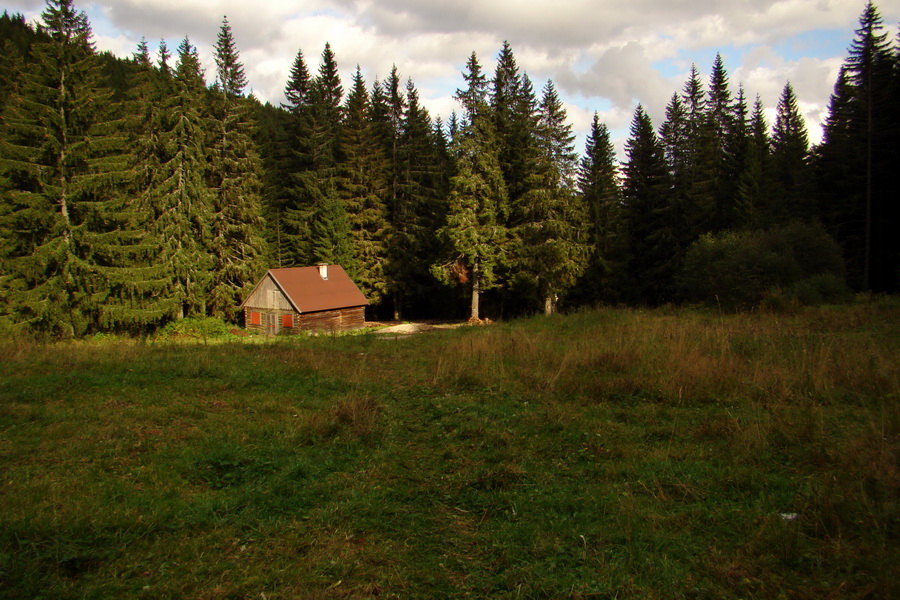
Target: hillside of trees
x,y
134,192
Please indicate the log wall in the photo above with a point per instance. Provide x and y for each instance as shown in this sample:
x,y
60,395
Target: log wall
x,y
342,319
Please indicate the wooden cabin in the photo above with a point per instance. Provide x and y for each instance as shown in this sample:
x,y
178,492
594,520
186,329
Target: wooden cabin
x,y
319,298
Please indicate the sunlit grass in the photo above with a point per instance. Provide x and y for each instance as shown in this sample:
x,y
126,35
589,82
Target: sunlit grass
x,y
612,453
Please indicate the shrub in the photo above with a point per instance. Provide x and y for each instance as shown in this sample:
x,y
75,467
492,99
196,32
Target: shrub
x,y
738,269
197,328
824,288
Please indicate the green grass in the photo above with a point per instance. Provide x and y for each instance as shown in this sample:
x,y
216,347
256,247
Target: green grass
x,y
603,454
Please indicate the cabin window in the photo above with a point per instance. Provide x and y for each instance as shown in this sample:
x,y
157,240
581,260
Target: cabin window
x,y
255,318
287,321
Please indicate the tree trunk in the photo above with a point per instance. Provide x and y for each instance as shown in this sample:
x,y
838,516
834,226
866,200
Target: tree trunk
x,y
476,292
549,305
63,147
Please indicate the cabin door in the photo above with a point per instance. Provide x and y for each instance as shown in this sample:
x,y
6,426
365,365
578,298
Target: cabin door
x,y
271,323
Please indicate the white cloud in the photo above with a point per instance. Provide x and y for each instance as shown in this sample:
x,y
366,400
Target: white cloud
x,y
812,80
119,45
625,76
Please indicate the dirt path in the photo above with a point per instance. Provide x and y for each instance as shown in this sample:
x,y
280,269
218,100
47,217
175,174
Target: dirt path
x,y
407,328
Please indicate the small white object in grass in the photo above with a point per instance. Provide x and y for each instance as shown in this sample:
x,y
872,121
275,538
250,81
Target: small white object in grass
x,y
788,516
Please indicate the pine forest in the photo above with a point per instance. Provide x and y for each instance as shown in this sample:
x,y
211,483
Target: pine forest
x,y
135,192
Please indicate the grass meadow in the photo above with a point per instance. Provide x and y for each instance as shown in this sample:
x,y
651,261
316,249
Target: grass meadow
x,y
604,454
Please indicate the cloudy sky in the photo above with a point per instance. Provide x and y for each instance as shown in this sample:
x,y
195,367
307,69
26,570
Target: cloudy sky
x,y
603,56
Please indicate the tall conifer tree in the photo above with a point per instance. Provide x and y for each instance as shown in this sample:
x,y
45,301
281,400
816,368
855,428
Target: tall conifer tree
x,y
515,120
236,241
554,248
651,240
791,175
300,195
679,150
276,156
388,109
326,112
599,186
421,189
862,136
475,234
699,182
60,164
737,148
724,145
140,295
320,180
754,185
178,195
363,189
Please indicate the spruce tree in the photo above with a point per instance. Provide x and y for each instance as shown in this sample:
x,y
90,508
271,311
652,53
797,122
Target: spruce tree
x,y
331,238
319,181
363,187
421,191
598,181
236,241
474,235
61,162
645,208
178,195
282,136
297,89
554,248
163,56
453,128
737,148
474,96
389,106
754,185
701,156
674,137
276,156
598,184
416,203
719,104
444,163
694,98
505,89
515,119
414,196
299,192
724,147
230,77
16,39
790,166
139,300
865,217
679,151
840,176
326,115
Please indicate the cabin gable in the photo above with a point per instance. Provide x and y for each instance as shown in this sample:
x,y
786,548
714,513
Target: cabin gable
x,y
268,296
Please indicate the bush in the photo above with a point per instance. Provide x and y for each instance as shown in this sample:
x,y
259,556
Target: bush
x,y
739,269
197,328
824,288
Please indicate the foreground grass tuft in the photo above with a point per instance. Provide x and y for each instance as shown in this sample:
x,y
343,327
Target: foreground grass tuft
x,y
614,453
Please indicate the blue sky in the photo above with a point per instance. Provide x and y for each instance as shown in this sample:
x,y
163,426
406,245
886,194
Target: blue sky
x,y
603,56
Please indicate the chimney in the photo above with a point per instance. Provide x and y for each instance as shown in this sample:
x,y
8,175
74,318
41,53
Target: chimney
x,y
323,271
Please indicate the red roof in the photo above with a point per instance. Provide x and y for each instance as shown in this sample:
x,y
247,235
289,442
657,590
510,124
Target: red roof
x,y
308,292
